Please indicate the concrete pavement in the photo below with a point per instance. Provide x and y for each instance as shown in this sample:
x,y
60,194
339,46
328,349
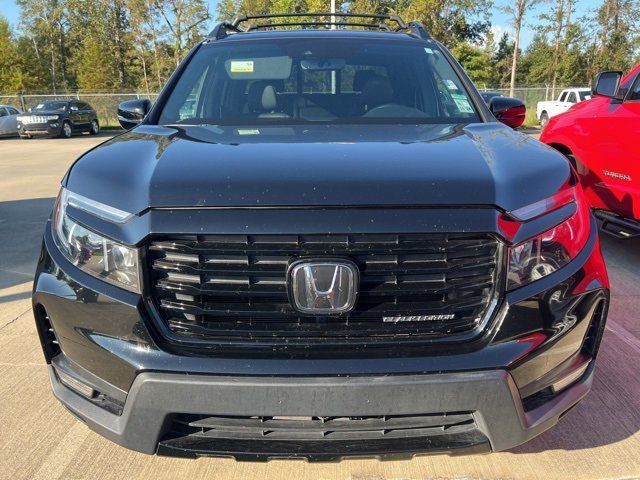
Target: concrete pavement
x,y
38,439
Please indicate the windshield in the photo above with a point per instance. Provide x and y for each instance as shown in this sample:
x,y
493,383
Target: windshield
x,y
584,95
318,80
50,106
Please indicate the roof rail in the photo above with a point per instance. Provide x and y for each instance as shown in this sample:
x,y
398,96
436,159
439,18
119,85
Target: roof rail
x,y
223,29
418,29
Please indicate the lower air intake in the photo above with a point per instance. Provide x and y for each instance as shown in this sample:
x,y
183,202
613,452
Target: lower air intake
x,y
321,438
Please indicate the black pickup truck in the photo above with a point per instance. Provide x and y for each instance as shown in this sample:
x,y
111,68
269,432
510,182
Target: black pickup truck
x,y
320,243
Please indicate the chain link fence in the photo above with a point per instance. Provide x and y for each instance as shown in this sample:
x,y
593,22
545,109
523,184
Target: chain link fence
x,y
106,104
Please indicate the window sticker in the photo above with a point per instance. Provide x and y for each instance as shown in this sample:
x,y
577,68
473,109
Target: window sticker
x,y
428,50
242,66
247,131
450,84
462,103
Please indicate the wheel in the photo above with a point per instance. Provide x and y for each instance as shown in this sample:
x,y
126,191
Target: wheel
x,y
65,131
95,128
544,119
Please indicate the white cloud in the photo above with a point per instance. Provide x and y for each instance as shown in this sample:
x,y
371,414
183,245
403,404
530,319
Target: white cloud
x,y
499,30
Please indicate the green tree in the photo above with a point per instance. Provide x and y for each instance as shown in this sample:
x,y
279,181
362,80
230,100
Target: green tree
x,y
185,20
476,61
451,21
501,61
46,24
518,10
227,10
11,75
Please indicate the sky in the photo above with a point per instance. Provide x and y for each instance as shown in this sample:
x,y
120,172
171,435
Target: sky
x,y
500,21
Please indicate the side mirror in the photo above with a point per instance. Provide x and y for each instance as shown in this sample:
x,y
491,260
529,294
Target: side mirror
x,y
132,112
509,111
607,84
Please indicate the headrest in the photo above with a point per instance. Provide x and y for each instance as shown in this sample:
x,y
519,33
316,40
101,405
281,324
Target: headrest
x,y
269,100
377,91
262,96
361,78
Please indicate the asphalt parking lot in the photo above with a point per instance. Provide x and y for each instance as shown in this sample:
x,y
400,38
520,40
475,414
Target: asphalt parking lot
x,y
38,439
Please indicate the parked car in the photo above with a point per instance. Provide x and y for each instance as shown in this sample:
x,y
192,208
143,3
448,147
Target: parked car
x,y
599,138
8,121
567,98
317,244
58,118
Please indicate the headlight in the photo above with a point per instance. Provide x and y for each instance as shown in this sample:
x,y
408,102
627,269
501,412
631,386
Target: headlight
x,y
553,249
93,253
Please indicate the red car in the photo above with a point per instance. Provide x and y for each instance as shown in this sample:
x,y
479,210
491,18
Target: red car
x,y
600,137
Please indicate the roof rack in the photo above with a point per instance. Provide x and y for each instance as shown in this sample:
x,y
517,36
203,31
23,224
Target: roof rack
x,y
414,28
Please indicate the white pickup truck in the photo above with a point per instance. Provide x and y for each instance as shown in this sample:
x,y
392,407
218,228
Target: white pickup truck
x,y
551,108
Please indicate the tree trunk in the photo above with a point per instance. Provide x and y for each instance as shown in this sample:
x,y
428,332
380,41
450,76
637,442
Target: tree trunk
x,y
556,49
514,63
604,33
178,33
144,71
63,56
117,20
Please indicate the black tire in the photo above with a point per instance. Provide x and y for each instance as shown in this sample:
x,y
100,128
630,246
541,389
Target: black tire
x,y
544,119
65,131
94,129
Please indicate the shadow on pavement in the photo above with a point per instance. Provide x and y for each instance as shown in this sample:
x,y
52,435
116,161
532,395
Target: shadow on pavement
x,y
21,226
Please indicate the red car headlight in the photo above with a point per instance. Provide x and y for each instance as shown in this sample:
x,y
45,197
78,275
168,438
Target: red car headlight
x,y
546,253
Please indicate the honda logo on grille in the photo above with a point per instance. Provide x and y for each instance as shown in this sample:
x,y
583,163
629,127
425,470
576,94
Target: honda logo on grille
x,y
323,287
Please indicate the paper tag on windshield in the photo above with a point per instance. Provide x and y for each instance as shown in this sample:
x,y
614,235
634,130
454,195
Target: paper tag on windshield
x,y
451,85
241,66
248,131
462,103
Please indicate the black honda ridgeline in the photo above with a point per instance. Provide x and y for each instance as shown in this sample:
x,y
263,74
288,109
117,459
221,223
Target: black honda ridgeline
x,y
320,243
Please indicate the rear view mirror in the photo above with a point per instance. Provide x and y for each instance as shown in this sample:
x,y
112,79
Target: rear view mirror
x,y
510,111
607,84
325,64
132,112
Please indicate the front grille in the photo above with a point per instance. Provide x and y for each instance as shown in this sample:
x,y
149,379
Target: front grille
x,y
34,119
37,128
323,438
233,288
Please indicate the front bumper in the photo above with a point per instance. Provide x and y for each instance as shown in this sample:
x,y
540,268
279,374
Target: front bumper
x,y
107,340
51,129
491,396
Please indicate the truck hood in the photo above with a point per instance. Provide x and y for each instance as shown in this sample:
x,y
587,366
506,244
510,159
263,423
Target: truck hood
x,y
318,166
